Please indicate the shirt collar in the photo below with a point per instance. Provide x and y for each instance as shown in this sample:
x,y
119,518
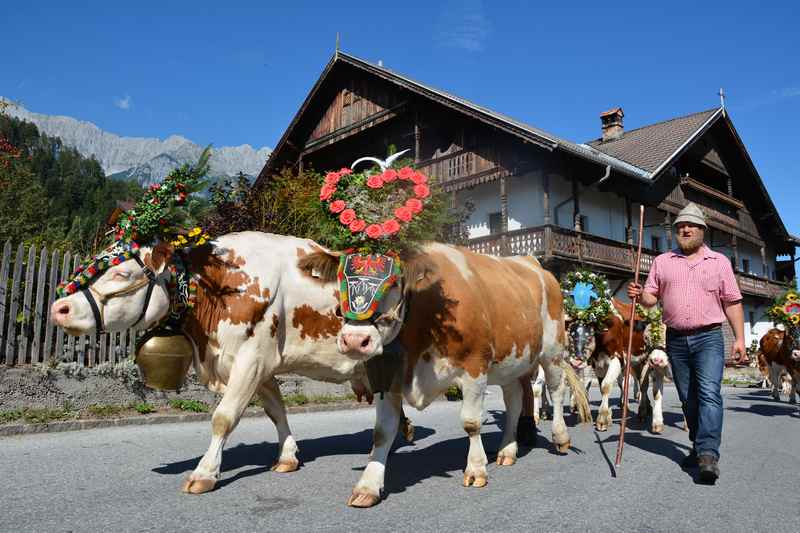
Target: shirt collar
x,y
676,252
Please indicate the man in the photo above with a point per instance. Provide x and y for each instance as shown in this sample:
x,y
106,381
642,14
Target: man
x,y
697,290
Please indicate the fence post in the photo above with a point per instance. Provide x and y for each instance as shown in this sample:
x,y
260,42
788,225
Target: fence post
x,y
27,311
65,270
39,311
3,291
51,294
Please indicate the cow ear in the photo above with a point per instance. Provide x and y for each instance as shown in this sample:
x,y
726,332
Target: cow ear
x,y
161,256
320,264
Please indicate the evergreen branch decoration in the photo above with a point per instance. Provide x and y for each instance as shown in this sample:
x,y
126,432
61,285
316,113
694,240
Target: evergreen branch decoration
x,y
599,309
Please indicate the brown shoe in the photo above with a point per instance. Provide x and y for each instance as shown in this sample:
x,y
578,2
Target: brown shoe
x,y
709,469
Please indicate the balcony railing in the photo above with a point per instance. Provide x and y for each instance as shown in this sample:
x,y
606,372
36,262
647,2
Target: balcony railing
x,y
554,242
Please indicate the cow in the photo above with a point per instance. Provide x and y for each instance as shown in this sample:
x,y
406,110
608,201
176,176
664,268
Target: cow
x,y
779,351
256,316
467,319
605,350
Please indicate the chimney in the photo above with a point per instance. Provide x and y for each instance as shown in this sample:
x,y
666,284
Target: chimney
x,y
611,124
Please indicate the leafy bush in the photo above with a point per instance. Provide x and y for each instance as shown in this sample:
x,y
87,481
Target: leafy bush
x,y
144,408
105,410
194,406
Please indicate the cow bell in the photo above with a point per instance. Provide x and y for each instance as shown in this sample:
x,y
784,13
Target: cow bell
x,y
163,357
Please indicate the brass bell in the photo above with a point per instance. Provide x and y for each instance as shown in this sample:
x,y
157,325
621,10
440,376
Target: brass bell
x,y
164,357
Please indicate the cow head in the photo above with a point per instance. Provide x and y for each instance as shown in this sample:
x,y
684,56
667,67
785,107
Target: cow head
x,y
366,337
794,334
655,335
582,342
131,292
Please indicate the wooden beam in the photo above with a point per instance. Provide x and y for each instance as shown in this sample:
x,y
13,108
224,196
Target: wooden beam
x,y
546,197
668,229
576,204
628,221
503,205
417,137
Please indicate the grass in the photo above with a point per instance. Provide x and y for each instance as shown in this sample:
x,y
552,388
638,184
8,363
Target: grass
x,y
194,406
106,410
36,416
144,408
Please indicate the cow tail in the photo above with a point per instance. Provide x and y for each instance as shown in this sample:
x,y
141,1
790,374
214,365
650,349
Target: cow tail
x,y
578,392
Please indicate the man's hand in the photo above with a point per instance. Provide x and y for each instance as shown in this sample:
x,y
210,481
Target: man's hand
x,y
739,353
634,290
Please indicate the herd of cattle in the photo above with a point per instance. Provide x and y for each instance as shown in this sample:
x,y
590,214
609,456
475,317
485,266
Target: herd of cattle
x,y
268,305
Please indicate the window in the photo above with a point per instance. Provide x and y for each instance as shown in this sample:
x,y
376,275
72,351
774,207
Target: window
x,y
745,265
495,223
655,243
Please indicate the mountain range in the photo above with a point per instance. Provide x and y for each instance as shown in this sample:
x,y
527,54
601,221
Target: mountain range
x,y
146,159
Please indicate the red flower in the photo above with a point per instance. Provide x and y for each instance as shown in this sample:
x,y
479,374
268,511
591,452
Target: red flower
x,y
405,173
154,187
422,190
357,225
374,231
375,181
332,178
347,216
162,221
116,261
419,179
390,227
389,175
345,171
404,213
326,192
414,204
337,206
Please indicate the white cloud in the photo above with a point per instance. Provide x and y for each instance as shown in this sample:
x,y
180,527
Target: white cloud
x,y
464,25
123,103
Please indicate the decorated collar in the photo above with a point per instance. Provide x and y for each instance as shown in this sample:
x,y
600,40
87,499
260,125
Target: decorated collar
x,y
363,282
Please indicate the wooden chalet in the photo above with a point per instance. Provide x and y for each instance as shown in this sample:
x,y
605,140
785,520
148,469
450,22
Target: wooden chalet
x,y
534,193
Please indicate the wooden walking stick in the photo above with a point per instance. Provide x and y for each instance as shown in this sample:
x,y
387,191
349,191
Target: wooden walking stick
x,y
628,355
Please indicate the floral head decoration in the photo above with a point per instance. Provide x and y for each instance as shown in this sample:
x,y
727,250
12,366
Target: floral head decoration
x,y
786,309
587,299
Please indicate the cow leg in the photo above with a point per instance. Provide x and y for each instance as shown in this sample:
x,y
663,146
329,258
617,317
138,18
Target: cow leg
x,y
244,379
792,388
389,413
537,395
270,395
557,386
473,390
512,397
775,378
604,414
644,400
657,424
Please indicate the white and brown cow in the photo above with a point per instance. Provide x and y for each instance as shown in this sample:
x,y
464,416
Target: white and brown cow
x,y
607,348
780,351
256,315
467,319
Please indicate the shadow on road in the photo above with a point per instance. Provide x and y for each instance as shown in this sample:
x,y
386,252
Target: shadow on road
x,y
774,409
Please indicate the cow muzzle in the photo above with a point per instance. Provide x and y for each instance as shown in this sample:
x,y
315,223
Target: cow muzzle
x,y
658,358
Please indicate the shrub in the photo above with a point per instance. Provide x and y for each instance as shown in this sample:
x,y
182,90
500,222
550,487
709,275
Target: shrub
x,y
194,406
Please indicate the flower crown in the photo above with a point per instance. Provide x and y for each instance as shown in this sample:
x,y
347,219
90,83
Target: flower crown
x,y
376,211
586,297
786,309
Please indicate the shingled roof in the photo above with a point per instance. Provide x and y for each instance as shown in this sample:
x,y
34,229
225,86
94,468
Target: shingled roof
x,y
651,147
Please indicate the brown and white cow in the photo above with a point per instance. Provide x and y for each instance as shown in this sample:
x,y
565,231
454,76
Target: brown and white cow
x,y
780,350
471,320
607,347
256,316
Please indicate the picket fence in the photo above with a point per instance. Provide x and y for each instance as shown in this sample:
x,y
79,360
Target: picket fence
x,y
28,282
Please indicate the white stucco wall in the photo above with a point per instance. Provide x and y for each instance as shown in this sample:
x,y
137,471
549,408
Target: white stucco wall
x,y
486,198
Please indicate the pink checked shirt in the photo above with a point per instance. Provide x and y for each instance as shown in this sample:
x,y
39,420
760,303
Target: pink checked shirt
x,y
692,294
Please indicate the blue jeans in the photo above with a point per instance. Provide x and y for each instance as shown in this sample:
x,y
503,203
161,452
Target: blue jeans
x,y
697,362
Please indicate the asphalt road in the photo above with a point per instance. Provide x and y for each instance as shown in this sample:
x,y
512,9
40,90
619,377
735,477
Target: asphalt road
x,y
128,478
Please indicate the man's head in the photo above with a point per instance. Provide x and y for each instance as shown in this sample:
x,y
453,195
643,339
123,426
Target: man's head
x,y
690,226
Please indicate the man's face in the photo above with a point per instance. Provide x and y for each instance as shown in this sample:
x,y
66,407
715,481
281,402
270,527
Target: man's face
x,y
690,236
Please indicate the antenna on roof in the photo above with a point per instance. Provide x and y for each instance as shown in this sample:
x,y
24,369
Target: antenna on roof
x,y
721,94
337,45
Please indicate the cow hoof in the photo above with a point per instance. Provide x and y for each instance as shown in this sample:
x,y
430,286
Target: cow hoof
x,y
474,481
284,466
505,460
407,429
198,486
658,428
563,447
362,499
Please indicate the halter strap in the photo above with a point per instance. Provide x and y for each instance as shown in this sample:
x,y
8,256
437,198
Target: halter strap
x,y
97,311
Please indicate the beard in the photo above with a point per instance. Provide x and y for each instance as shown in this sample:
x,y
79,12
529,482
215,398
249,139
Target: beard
x,y
689,245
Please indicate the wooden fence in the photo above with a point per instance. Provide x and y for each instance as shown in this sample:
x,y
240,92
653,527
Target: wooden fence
x,y
28,281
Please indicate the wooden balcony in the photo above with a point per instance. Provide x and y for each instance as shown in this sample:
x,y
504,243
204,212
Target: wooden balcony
x,y
557,243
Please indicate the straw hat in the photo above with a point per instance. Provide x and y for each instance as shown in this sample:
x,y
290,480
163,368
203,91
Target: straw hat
x,y
691,214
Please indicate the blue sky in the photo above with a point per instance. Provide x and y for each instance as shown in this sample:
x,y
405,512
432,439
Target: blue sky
x,y
232,72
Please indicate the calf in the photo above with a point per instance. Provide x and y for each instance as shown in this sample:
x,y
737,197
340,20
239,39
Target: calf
x,y
780,351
